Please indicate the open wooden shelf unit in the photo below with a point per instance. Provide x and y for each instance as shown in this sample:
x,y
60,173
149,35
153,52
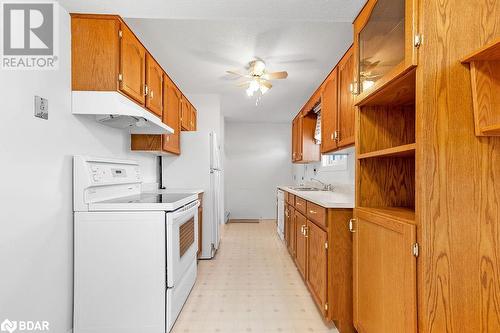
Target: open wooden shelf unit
x,y
485,81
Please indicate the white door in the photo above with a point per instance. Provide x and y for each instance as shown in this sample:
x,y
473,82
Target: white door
x,y
182,241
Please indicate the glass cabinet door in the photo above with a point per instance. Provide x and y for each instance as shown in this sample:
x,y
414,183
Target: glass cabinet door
x,y
381,42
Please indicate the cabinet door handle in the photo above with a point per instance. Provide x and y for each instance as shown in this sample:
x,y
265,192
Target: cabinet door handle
x,y
306,231
351,225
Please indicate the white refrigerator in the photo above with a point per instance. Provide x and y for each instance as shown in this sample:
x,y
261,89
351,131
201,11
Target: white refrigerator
x,y
216,184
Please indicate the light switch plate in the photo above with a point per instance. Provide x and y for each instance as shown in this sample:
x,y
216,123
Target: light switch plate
x,y
41,107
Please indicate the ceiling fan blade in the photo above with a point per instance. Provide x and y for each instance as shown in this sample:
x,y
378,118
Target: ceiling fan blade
x,y
266,84
243,84
275,75
239,74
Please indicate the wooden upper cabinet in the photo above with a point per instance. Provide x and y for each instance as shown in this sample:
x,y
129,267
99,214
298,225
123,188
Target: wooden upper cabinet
x,y
294,139
185,114
329,106
193,119
95,50
385,291
132,65
301,243
387,32
154,81
317,258
304,146
346,110
171,116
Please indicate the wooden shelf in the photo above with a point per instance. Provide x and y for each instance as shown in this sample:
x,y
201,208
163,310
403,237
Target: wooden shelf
x,y
400,151
491,130
489,52
485,80
400,90
403,214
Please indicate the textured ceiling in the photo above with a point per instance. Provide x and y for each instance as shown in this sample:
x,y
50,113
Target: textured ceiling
x,y
197,41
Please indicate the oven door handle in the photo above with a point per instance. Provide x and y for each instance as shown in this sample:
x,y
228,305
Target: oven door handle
x,y
186,210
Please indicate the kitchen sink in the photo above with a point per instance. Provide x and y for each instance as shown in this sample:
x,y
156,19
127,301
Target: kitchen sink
x,y
306,189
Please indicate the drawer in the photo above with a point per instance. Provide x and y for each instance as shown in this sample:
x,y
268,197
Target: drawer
x,y
300,205
316,213
290,199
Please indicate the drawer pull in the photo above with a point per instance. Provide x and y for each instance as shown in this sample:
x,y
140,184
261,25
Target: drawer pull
x,y
312,211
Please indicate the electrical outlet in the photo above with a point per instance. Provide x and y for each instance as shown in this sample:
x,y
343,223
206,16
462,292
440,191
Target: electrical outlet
x,y
41,107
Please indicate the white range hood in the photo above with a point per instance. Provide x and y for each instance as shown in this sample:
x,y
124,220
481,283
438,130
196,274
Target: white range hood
x,y
113,109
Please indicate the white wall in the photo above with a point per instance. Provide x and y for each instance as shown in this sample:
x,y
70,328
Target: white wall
x,y
257,161
192,168
36,215
302,173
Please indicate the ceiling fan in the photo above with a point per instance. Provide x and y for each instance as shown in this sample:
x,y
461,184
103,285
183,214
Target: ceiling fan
x,y
258,77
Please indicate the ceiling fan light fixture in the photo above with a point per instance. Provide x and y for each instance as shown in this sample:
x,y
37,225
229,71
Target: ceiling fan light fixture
x,y
254,86
263,89
249,92
258,67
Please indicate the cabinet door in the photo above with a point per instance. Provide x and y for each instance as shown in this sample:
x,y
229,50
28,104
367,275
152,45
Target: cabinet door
x,y
185,114
193,119
293,231
171,142
294,140
287,225
384,42
298,139
301,244
346,109
384,275
317,263
132,65
154,81
329,105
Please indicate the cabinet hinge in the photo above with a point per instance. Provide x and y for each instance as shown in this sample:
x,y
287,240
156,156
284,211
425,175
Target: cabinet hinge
x,y
120,33
354,88
120,77
326,245
326,306
417,40
415,249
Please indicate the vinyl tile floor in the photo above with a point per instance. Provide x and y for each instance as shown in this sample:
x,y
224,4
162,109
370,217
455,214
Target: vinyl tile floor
x,y
252,285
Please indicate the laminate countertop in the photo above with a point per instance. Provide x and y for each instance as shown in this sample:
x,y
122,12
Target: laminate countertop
x,y
341,197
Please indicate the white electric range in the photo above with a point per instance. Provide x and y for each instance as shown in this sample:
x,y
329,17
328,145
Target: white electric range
x,y
135,252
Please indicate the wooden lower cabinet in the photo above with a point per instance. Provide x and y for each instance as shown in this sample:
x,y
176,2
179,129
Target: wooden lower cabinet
x,y
301,244
317,259
287,225
321,247
293,234
384,266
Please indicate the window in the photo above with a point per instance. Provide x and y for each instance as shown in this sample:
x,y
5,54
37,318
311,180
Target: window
x,y
336,162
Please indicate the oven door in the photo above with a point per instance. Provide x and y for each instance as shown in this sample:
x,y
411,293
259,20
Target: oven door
x,y
182,241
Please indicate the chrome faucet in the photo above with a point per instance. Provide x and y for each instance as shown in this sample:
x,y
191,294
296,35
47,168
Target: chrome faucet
x,y
326,187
